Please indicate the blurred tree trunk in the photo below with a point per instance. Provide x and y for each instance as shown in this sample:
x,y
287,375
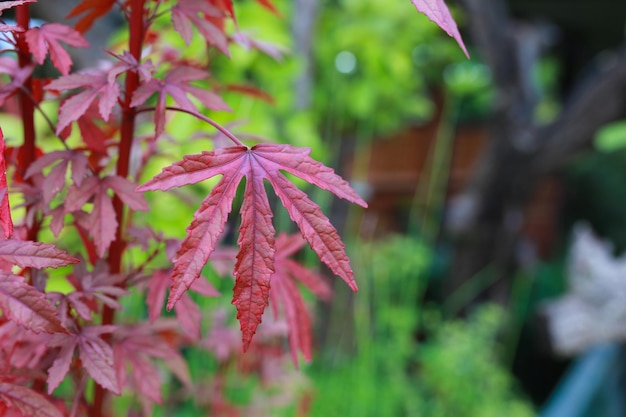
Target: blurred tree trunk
x,y
488,216
302,26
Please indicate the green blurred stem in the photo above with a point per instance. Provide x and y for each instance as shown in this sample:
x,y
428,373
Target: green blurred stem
x,y
429,199
467,292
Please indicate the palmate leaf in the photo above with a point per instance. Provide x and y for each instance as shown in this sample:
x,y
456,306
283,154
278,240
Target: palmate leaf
x,y
204,16
103,224
95,354
255,260
45,39
94,85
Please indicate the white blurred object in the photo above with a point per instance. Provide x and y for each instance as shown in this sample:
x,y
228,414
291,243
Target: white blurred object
x,y
594,308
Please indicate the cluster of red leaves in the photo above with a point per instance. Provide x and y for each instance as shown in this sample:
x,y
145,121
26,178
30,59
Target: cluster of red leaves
x,y
85,189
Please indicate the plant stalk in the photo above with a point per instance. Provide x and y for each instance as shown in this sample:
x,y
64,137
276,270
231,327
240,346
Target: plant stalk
x,y
27,107
127,132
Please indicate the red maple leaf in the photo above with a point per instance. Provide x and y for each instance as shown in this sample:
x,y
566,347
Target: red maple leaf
x,y
103,224
6,223
45,39
138,346
91,11
97,284
177,85
54,181
95,354
127,62
199,13
94,85
284,292
255,260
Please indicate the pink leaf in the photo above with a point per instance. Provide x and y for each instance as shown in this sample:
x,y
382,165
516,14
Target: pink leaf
x,y
197,13
285,293
78,159
189,316
26,306
27,401
54,182
104,224
438,12
97,356
137,345
95,86
61,365
103,221
146,377
18,74
78,196
298,319
126,191
250,42
26,254
129,63
157,287
203,287
46,39
255,260
176,85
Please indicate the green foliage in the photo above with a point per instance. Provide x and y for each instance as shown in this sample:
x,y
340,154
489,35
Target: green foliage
x,y
375,68
460,373
454,371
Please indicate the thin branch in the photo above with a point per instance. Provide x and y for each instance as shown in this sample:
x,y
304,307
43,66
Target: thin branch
x,y
199,116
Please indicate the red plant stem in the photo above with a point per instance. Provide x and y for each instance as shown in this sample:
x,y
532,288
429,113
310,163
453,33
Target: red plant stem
x,y
212,122
27,107
127,132
199,116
